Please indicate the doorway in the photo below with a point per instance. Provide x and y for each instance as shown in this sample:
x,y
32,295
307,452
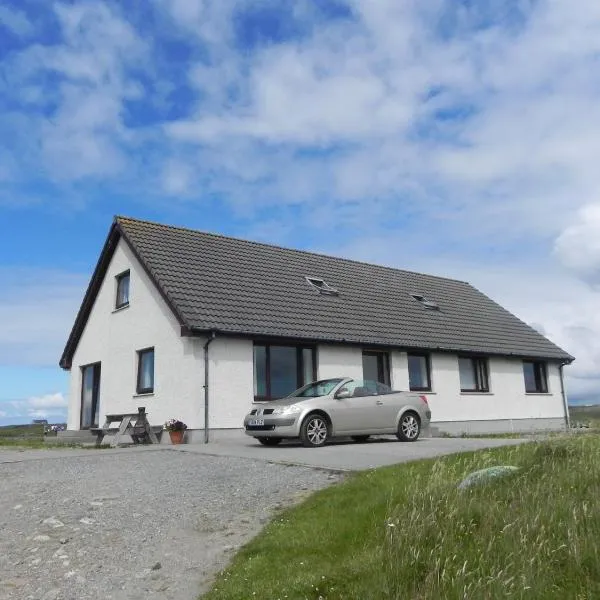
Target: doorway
x,y
90,396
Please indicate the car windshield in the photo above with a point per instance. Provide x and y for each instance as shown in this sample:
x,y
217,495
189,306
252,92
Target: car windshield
x,y
365,387
316,389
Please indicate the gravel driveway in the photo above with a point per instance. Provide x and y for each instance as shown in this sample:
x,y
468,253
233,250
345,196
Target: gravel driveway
x,y
132,524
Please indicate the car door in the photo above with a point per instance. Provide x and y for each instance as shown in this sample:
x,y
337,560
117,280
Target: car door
x,y
388,406
356,413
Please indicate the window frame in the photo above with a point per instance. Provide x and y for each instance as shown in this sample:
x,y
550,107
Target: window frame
x,y
299,366
140,353
119,279
539,368
383,365
427,358
481,387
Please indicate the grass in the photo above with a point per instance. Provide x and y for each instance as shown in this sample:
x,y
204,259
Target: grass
x,y
32,436
27,436
407,532
587,415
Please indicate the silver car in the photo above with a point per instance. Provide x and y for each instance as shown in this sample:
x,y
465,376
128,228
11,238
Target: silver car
x,y
339,407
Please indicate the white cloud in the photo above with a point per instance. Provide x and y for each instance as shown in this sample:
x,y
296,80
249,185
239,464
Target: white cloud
x,y
49,401
351,113
37,311
49,406
578,246
78,89
16,21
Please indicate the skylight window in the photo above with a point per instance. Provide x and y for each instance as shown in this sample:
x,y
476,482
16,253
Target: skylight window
x,y
429,304
321,286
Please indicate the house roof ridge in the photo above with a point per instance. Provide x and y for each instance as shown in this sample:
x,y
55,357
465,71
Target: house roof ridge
x,y
118,218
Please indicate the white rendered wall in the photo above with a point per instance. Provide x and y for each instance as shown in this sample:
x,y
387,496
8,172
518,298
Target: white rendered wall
x,y
506,399
113,338
339,361
231,381
399,371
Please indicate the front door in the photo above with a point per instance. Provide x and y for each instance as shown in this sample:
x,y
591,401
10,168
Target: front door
x,y
90,396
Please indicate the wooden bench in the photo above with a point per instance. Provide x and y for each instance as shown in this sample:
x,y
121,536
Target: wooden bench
x,y
134,425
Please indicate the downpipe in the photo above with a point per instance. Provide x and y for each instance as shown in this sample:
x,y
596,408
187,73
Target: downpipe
x,y
564,397
206,379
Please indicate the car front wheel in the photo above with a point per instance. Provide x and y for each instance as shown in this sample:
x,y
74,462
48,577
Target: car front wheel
x,y
409,427
314,431
269,441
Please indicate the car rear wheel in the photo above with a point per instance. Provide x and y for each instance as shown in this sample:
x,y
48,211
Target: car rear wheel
x,y
409,427
269,441
314,431
360,438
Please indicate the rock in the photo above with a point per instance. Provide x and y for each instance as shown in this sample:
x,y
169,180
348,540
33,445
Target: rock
x,y
96,503
87,521
63,540
17,507
41,538
53,522
156,566
485,475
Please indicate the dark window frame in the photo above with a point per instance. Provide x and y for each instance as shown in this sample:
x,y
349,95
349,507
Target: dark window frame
x,y
482,375
97,374
140,354
383,365
120,278
299,366
427,358
540,374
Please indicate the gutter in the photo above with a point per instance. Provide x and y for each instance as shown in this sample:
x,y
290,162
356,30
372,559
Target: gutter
x,y
206,379
564,396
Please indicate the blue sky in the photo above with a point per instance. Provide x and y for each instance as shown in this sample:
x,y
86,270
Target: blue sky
x,y
457,138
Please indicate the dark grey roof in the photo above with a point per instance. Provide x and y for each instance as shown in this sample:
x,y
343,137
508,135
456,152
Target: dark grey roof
x,y
213,282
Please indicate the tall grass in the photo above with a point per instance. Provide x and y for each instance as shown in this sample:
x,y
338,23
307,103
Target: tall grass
x,y
408,532
534,535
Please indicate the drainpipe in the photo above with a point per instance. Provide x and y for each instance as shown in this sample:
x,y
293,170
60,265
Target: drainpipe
x,y
206,364
564,397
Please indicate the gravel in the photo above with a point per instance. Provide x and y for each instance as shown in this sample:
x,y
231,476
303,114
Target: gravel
x,y
134,525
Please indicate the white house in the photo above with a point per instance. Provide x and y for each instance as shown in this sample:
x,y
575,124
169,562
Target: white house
x,y
195,326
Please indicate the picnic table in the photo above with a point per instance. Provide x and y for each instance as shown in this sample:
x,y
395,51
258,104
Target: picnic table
x,y
134,425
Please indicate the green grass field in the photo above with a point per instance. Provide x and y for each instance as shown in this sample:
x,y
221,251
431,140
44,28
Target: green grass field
x,y
407,532
589,415
30,436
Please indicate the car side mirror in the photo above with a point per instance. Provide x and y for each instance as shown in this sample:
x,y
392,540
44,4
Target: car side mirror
x,y
342,394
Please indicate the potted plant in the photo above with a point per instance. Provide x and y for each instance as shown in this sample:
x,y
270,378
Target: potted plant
x,y
176,429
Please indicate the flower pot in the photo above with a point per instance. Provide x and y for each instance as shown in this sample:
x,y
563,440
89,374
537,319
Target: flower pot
x,y
176,436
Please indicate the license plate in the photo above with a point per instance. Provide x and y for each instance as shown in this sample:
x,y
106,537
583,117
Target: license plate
x,y
256,422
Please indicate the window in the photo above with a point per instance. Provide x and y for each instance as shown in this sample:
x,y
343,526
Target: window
x,y
473,374
323,287
429,304
280,370
419,374
122,290
376,366
145,376
536,380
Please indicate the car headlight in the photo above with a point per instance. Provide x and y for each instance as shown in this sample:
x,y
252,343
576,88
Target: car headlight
x,y
287,410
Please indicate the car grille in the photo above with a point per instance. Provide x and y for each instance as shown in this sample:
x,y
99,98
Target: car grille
x,y
268,411
260,427
253,411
